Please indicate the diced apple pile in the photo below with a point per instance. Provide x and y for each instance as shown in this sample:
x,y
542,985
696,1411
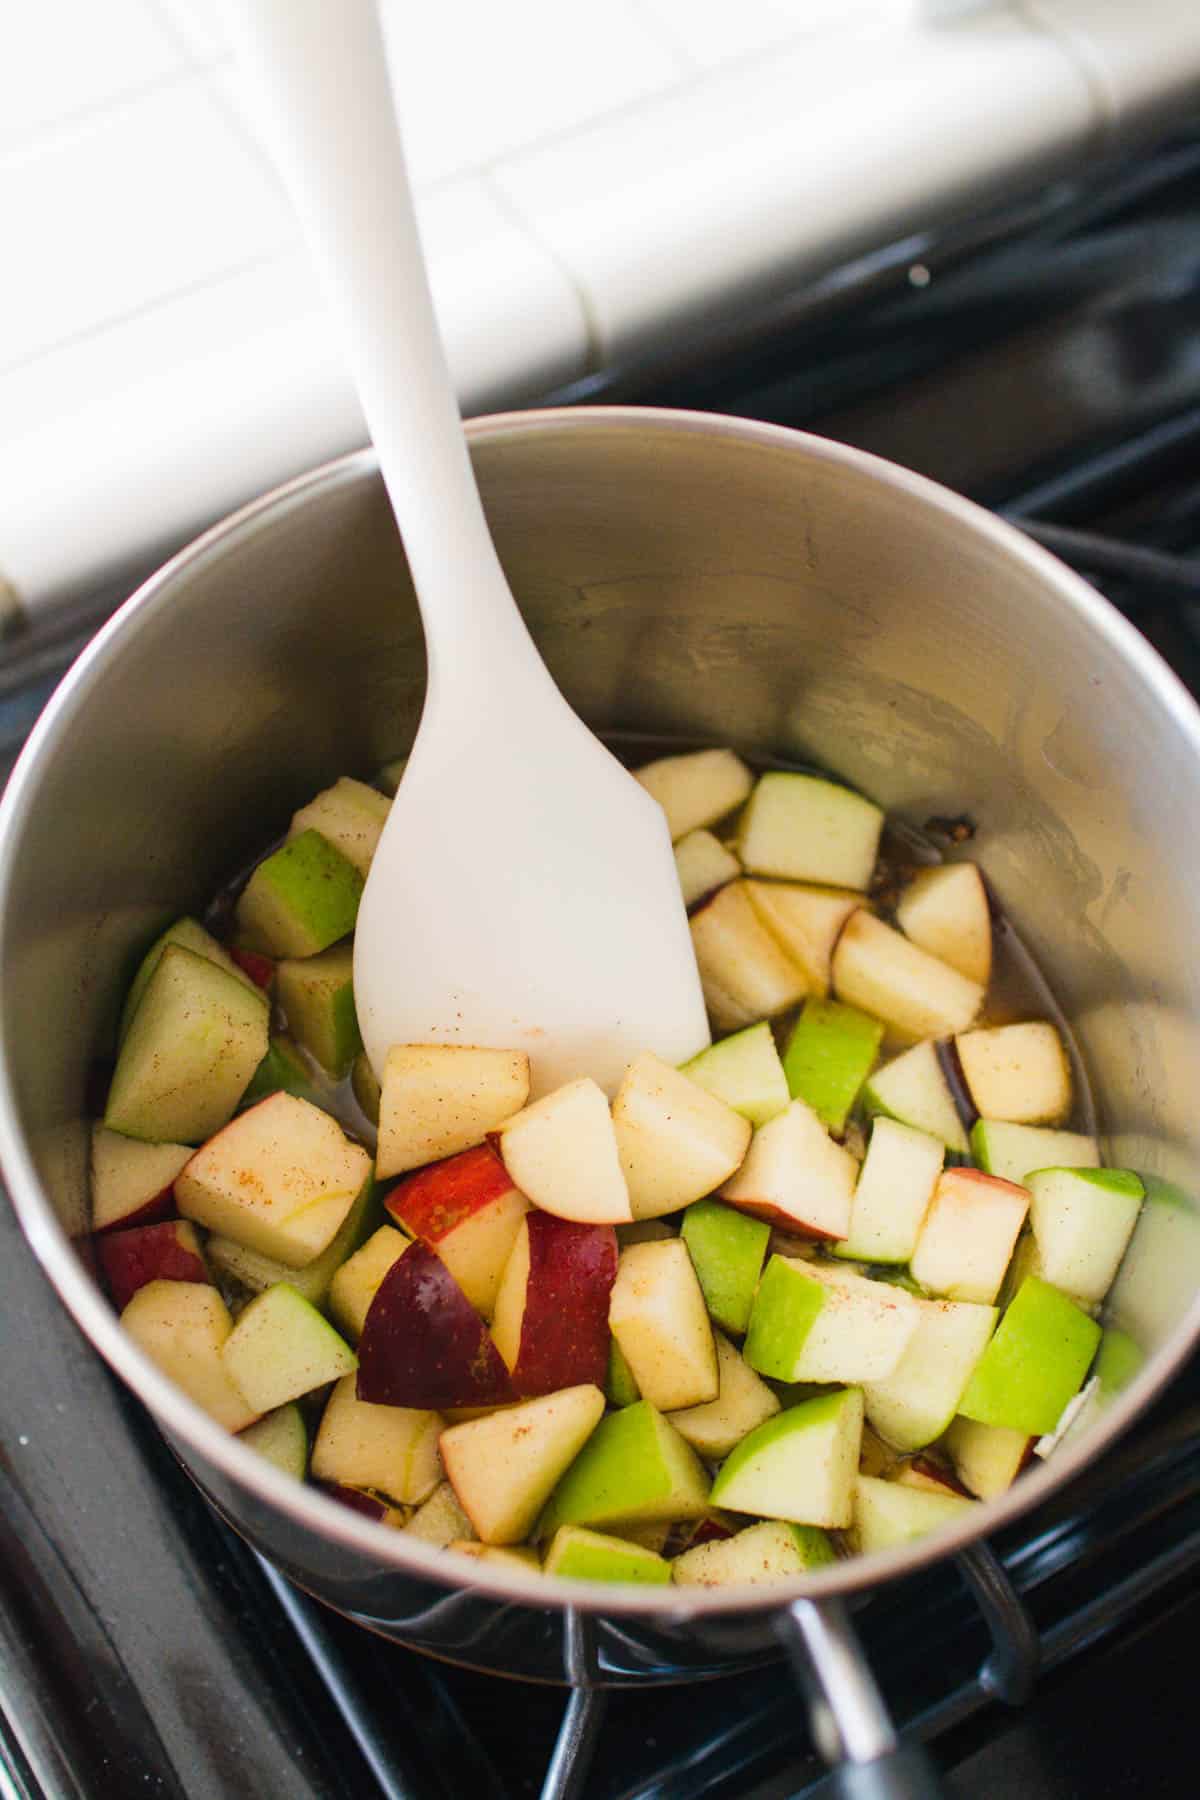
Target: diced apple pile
x,y
818,1292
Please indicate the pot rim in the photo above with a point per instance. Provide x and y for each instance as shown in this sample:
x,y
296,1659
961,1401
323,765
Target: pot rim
x,y
306,1505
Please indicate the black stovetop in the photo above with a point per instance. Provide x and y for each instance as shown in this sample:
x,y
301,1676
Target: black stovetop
x,y
1045,360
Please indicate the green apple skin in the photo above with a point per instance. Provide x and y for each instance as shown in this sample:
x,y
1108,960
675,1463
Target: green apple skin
x,y
281,1347
1014,1152
1036,1362
805,828
1117,1361
191,935
913,1090
784,1310
887,1514
620,1387
280,1071
829,1055
582,1555
800,1465
300,900
727,1249
282,1439
1082,1222
634,1469
744,1070
317,996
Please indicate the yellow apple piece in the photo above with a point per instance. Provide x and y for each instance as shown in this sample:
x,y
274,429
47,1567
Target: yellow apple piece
x,y
182,1326
359,1279
438,1099
945,911
676,1141
795,1176
659,1319
561,1152
877,969
504,1467
393,1449
742,1403
697,788
807,921
745,974
1017,1073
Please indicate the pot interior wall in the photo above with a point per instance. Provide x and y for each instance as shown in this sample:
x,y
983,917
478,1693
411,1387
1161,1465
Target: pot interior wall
x,y
692,583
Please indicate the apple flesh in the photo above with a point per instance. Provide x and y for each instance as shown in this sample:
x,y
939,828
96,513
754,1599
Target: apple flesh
x,y
915,1403
745,974
745,1072
299,900
1015,1151
280,1179
1082,1222
704,865
888,1513
424,1345
562,1153
894,1190
814,1322
771,1551
743,1402
551,1314
635,1469
1035,1364
913,1089
390,1448
804,828
350,816
987,1458
794,1175
504,1467
169,1251
313,1281
620,1387
195,1040
727,1248
806,922
281,1347
829,1055
281,1439
676,1141
969,1234
365,1085
182,1327
658,1317
799,1466
189,934
876,968
317,996
467,1209
696,789
438,1099
132,1183
945,911
1017,1073
581,1555
440,1520
357,1281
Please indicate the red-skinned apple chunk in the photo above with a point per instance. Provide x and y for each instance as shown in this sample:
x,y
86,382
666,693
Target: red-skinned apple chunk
x,y
551,1320
795,1175
131,1181
169,1251
467,1209
423,1344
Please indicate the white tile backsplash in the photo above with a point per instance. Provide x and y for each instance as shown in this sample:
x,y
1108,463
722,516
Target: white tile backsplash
x,y
61,57
712,32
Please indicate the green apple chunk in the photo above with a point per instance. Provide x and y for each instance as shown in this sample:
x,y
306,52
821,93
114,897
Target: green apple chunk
x,y
582,1555
504,1466
772,1551
358,1280
299,900
281,1347
635,1469
189,934
815,1322
440,1520
829,1056
697,788
913,1089
968,1235
1082,1220
895,1187
1117,1362
804,828
183,1327
281,1071
1014,1151
676,1141
281,1439
657,1314
280,1179
704,865
1018,1073
795,1176
1035,1364
365,1084
800,1465
317,996
620,1384
806,922
945,910
350,816
987,1458
745,973
877,968
887,1513
520,1557
393,1449
742,1403
745,1072
727,1248
438,1099
195,1040
915,1403
314,1280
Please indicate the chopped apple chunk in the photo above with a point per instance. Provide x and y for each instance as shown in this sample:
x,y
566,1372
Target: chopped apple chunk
x,y
183,1326
807,922
745,974
945,911
804,828
504,1467
350,816
743,1402
281,1347
467,1209
913,1089
799,1466
795,1176
132,1182
562,1153
676,1141
814,1322
393,1449
704,865
357,1282
658,1317
696,789
969,1234
1019,1073
438,1099
895,1187
879,970
887,1513
551,1316
771,1551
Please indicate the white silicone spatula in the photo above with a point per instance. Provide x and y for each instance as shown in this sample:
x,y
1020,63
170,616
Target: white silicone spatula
x,y
524,893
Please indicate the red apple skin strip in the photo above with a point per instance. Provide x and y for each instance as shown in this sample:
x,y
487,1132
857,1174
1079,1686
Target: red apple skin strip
x,y
424,1345
564,1324
355,1499
439,1197
168,1251
158,1210
260,969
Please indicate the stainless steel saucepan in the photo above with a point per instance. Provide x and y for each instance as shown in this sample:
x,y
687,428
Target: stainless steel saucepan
x,y
688,578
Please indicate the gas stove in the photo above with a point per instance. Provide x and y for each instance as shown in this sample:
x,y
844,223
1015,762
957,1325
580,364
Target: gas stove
x,y
1046,361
